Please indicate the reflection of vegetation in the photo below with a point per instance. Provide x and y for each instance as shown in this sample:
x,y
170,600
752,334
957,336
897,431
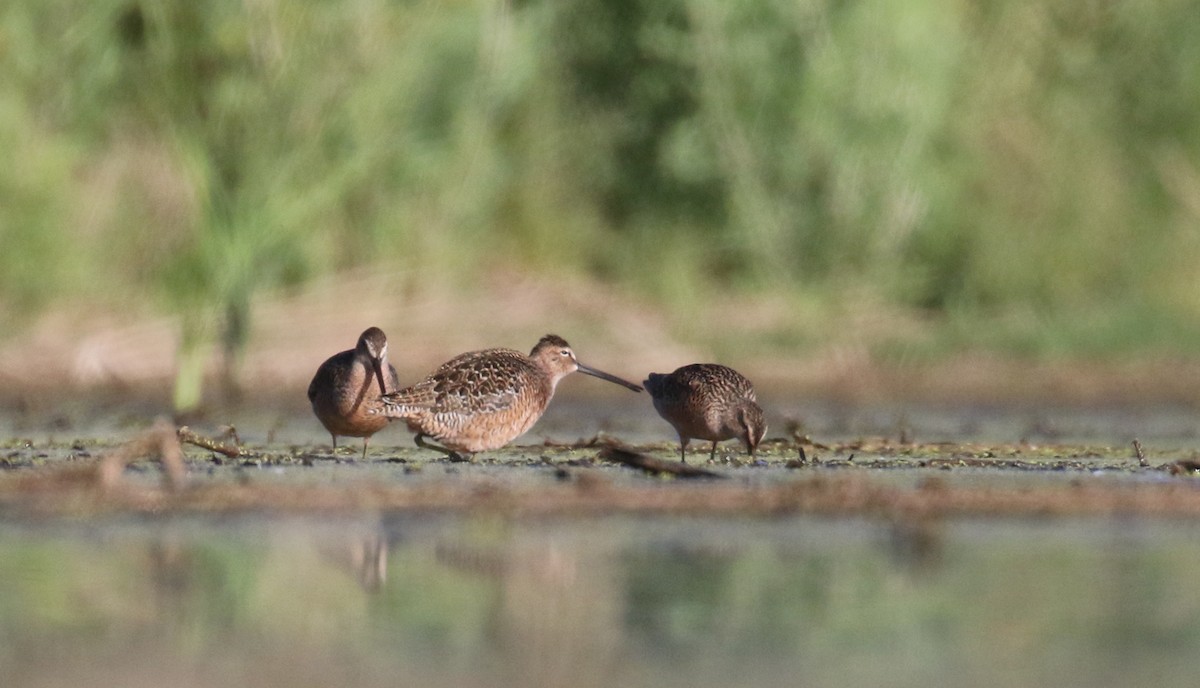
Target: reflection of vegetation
x,y
674,599
845,614
1008,164
1062,604
440,613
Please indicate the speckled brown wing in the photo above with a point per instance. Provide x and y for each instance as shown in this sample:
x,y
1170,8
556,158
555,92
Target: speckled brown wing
x,y
697,399
482,382
477,401
713,380
474,382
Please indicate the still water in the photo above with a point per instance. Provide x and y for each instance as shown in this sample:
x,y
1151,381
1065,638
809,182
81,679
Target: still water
x,y
621,601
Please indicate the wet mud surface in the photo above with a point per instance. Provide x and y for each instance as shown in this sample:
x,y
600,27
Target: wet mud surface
x,y
1052,468
904,547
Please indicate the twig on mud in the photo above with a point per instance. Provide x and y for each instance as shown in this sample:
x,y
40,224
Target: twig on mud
x,y
160,441
581,443
1141,455
187,435
622,454
103,474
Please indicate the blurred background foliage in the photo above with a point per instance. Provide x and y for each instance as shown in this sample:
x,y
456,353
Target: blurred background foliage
x,y
1021,176
635,602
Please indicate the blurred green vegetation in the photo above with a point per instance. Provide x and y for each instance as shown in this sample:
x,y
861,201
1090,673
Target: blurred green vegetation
x,y
638,602
1020,175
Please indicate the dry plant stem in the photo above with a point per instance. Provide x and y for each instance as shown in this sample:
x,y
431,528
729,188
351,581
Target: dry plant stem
x,y
102,477
160,441
188,436
1141,455
581,443
622,454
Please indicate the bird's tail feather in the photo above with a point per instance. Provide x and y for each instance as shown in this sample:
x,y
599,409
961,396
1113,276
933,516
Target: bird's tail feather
x,y
404,403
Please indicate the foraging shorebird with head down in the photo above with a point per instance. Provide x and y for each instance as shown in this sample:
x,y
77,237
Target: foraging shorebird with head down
x,y
708,401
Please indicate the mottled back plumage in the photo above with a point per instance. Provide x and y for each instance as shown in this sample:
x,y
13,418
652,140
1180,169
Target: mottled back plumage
x,y
482,400
345,393
710,402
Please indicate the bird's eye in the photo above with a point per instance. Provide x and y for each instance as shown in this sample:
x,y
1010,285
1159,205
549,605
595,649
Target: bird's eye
x,y
565,353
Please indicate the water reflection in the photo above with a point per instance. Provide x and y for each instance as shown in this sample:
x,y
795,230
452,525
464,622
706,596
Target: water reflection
x,y
556,621
362,555
664,602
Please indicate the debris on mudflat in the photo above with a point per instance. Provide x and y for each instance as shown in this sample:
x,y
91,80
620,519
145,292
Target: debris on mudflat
x,y
103,475
581,443
622,454
1140,454
188,436
1184,467
800,462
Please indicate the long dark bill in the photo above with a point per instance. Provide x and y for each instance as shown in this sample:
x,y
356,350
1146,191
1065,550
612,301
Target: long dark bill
x,y
378,366
605,376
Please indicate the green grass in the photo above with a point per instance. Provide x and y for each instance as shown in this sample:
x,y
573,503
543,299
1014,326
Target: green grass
x,y
984,166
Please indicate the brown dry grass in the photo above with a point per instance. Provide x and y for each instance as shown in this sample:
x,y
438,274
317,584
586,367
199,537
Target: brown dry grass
x,y
100,348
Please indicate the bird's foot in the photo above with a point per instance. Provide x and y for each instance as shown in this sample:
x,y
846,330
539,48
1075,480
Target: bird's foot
x,y
454,456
